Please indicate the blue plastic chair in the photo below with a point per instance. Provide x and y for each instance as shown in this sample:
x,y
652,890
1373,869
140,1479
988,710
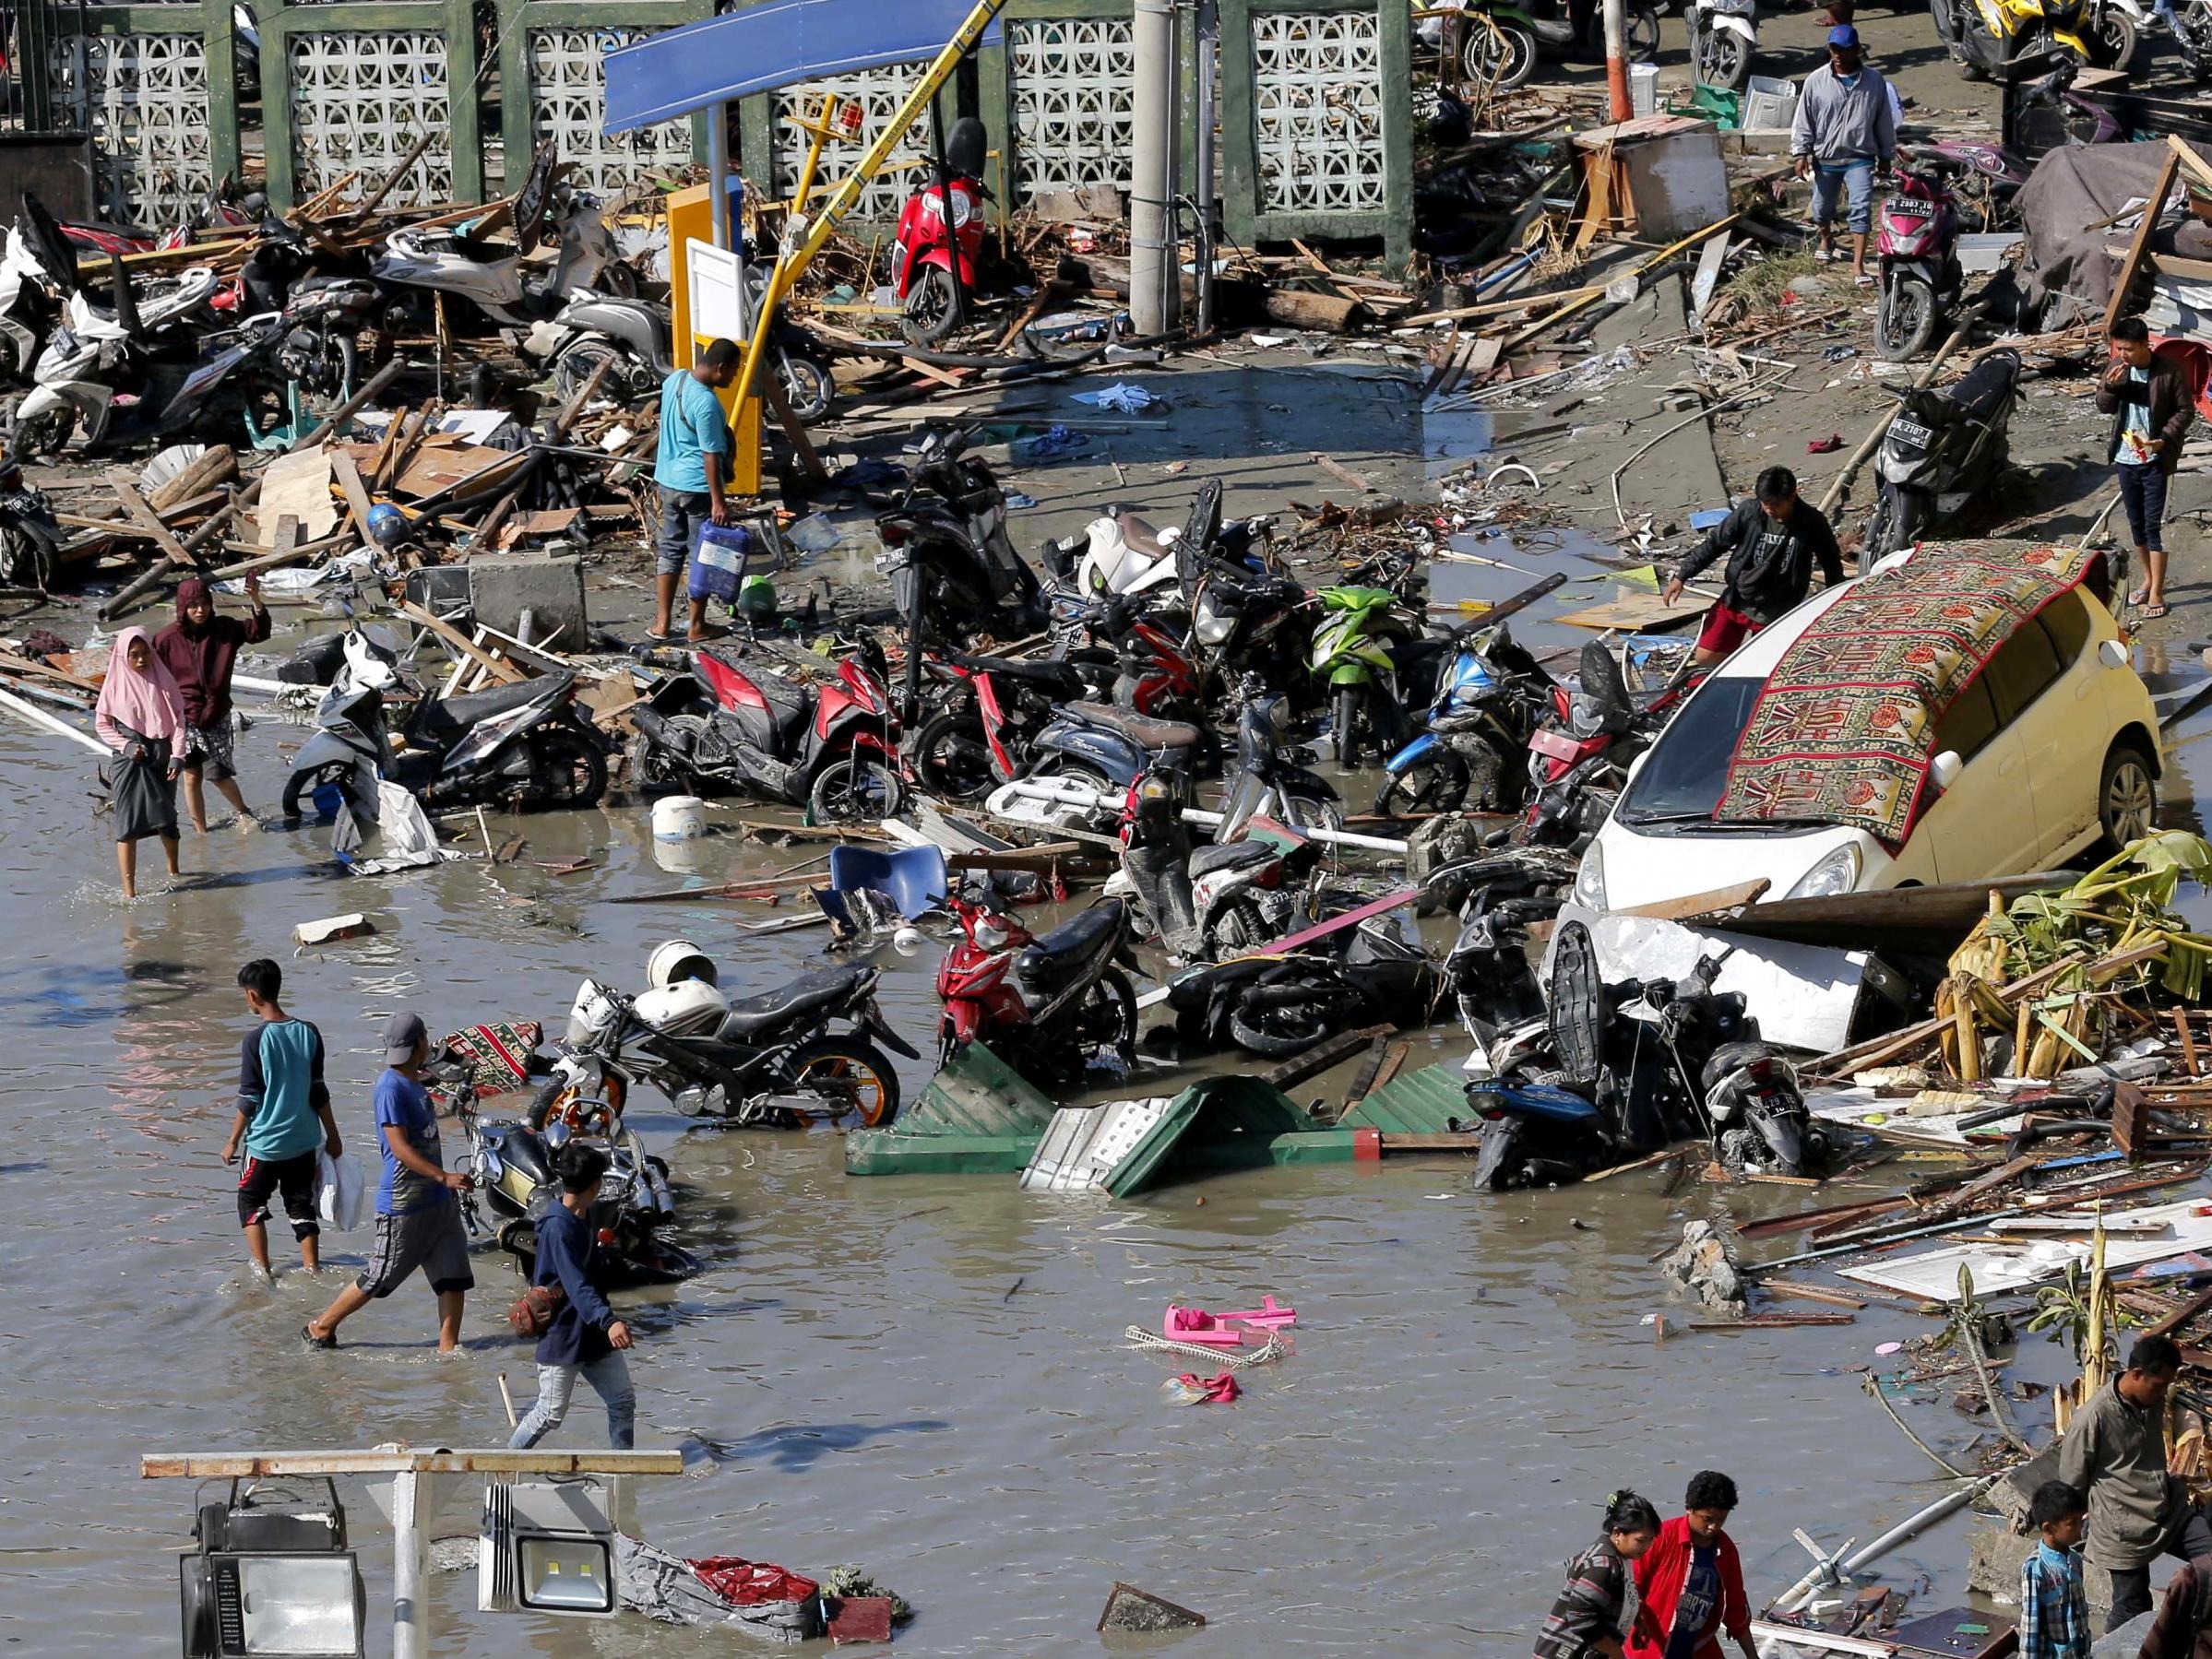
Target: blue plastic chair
x,y
914,876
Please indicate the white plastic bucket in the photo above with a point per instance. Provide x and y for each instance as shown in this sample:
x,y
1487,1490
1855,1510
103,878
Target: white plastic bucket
x,y
1643,88
679,818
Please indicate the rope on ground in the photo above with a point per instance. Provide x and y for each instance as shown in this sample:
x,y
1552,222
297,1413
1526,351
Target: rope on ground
x,y
1274,1348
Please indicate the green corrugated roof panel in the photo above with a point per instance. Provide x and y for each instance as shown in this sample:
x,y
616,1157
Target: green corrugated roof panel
x,y
977,1094
1415,1103
887,1152
1216,1109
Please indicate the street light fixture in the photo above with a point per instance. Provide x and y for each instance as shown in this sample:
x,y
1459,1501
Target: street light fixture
x,y
272,1577
548,1547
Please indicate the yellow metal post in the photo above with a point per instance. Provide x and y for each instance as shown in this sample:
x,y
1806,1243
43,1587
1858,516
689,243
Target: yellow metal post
x,y
792,260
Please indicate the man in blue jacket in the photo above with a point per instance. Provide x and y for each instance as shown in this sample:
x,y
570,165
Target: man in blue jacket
x,y
584,1336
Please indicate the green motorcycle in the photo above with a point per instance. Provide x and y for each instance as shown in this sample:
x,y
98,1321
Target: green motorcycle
x,y
1351,653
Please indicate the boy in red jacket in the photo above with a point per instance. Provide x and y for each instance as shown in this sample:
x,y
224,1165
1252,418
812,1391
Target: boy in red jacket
x,y
1691,1581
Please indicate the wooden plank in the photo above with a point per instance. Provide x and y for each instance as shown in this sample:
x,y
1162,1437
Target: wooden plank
x,y
2181,1315
121,482
454,637
1811,1293
348,474
1701,904
2153,206
1774,1321
1320,1056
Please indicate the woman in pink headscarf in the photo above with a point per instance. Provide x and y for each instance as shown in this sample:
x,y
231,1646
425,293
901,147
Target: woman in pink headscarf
x,y
141,717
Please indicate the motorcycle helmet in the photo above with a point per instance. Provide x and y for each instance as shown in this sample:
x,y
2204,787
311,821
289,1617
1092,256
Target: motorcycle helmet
x,y
388,525
675,960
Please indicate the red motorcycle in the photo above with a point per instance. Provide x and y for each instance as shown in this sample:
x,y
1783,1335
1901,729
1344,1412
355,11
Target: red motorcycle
x,y
716,728
1579,754
1043,1005
941,237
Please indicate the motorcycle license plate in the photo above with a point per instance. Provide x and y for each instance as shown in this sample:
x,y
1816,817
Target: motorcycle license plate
x,y
1905,208
1909,432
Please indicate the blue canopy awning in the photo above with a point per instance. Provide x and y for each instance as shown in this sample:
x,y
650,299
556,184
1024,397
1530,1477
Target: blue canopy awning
x,y
777,43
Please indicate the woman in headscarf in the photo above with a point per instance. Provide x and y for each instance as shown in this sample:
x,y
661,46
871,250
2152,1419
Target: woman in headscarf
x,y
200,650
141,717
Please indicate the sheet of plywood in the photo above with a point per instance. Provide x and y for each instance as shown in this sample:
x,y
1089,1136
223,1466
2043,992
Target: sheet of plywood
x,y
297,486
1637,612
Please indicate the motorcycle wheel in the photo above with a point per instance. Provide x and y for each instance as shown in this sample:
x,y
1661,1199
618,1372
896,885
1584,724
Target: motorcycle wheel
x,y
1438,786
1281,1032
567,770
1307,813
854,1076
952,757
572,369
1105,1016
807,385
856,789
1344,728
929,307
2112,46
1881,528
1905,320
41,435
1644,35
1723,59
306,783
1500,55
650,769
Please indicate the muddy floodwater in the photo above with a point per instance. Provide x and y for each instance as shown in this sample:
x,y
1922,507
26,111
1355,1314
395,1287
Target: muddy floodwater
x,y
923,1376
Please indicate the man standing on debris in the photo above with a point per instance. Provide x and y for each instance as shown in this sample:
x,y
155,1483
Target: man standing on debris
x,y
200,648
1772,542
1844,127
2148,399
2115,1452
418,1216
695,455
582,1336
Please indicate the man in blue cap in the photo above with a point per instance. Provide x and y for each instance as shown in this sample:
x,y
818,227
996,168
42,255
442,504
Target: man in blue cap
x,y
1844,130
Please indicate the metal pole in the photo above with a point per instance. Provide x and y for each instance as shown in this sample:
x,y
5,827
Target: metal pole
x,y
1155,285
1202,188
1616,59
414,1512
952,233
717,171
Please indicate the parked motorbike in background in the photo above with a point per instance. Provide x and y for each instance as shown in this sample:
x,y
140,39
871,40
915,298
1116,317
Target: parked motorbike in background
x,y
30,306
1351,655
522,745
1919,278
768,1061
718,728
1487,701
1279,1003
635,338
1760,1123
940,237
1579,755
2001,39
113,371
1724,38
955,575
1944,447
1048,1005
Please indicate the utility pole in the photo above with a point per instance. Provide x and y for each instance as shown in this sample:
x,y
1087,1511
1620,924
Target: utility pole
x,y
1616,59
1155,280
1204,239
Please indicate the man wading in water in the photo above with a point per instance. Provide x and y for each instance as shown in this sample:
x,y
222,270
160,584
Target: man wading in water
x,y
418,1215
283,1117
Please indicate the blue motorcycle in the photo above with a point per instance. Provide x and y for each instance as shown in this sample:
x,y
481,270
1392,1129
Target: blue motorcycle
x,y
1489,699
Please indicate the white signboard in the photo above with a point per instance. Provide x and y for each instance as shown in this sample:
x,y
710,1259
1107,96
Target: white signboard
x,y
717,291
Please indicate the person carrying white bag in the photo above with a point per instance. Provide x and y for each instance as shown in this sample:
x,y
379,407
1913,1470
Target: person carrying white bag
x,y
283,1118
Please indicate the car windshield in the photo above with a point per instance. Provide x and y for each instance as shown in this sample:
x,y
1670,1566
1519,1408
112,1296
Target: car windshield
x,y
1681,779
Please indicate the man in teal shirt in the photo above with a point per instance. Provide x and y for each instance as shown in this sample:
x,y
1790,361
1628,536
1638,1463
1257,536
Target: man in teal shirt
x,y
696,452
283,1117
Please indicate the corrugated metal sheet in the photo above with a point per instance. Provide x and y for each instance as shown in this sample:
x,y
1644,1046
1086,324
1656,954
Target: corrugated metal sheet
x,y
979,1094
1414,1103
1209,1112
1085,1143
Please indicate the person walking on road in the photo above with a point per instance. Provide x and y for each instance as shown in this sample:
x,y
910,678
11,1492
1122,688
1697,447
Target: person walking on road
x,y
2114,1453
283,1117
140,715
2148,399
418,1211
689,471
584,1337
1846,126
200,650
1588,1619
1692,1581
1773,542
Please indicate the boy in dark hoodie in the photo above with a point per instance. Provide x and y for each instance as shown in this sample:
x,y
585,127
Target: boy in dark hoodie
x,y
200,650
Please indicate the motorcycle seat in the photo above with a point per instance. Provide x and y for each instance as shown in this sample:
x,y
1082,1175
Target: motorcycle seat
x,y
1230,855
789,705
447,717
1150,734
1044,674
803,995
1986,385
1066,944
1139,536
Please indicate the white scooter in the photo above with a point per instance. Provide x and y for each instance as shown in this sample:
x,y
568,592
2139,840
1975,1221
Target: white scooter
x,y
445,259
28,304
96,360
1724,35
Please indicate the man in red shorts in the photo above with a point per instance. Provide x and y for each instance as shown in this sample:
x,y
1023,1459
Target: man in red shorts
x,y
1772,542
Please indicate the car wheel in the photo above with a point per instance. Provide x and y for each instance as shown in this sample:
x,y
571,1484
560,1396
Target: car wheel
x,y
2127,798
